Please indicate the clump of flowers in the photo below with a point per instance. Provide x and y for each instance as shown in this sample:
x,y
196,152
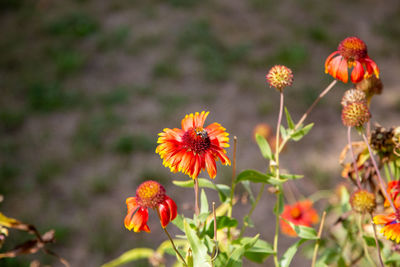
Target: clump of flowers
x,y
363,201
279,76
300,213
351,53
149,195
194,147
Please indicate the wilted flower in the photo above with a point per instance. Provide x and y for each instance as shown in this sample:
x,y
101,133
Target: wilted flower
x,y
355,114
352,53
391,225
279,77
353,95
382,141
149,194
194,148
300,213
363,201
370,86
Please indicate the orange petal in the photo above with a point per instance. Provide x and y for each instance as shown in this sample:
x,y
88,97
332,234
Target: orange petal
x,y
372,67
137,220
165,215
329,59
342,71
210,165
357,73
384,218
172,208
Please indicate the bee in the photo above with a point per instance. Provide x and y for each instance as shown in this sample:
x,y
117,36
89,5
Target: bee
x,y
202,133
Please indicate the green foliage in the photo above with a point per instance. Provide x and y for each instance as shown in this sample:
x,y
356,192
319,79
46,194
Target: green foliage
x,y
223,190
264,147
74,25
129,256
128,144
290,252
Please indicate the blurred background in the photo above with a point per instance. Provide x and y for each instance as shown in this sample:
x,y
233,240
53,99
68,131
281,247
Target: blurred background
x,y
86,86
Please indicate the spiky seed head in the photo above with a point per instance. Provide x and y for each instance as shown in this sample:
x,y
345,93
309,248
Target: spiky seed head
x,y
353,48
279,76
353,95
363,201
355,114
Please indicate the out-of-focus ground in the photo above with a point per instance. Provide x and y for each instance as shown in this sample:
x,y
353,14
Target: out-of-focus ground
x,y
85,86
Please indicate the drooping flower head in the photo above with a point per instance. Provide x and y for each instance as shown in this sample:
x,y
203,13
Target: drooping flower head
x,y
363,201
352,53
355,114
391,225
300,213
194,147
149,194
370,86
279,77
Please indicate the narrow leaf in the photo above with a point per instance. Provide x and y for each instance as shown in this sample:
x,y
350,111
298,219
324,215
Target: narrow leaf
x,y
290,252
289,119
258,177
291,176
297,135
259,252
203,202
223,190
280,202
199,250
129,256
264,147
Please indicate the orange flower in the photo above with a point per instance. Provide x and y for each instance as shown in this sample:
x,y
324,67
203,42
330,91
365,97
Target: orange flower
x,y
149,194
391,225
352,53
300,213
194,148
394,190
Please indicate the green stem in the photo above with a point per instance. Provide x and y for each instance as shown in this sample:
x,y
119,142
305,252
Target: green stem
x,y
196,197
278,126
305,115
365,247
172,241
253,206
233,186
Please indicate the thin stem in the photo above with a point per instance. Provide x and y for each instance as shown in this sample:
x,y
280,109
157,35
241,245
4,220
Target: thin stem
x,y
171,240
233,177
215,249
353,157
253,206
376,242
365,243
321,226
305,115
278,126
382,184
196,196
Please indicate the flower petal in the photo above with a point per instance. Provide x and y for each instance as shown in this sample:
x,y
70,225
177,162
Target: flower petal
x,y
173,210
210,165
165,215
329,59
357,73
137,220
342,71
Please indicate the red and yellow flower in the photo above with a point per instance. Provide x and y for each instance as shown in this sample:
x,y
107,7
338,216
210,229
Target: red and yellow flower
x,y
391,225
149,194
352,53
194,147
300,213
393,190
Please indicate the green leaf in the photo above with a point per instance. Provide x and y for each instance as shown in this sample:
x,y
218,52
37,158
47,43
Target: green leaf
x,y
304,232
264,147
199,250
235,260
259,252
291,176
300,133
280,202
290,252
178,222
203,202
258,177
393,258
284,133
246,185
131,255
289,119
371,241
223,190
225,221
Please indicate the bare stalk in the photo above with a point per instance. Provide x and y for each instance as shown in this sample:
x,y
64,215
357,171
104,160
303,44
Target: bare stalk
x,y
353,157
321,226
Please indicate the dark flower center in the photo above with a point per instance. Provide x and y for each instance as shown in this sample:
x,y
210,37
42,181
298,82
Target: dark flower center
x,y
196,140
353,49
295,213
